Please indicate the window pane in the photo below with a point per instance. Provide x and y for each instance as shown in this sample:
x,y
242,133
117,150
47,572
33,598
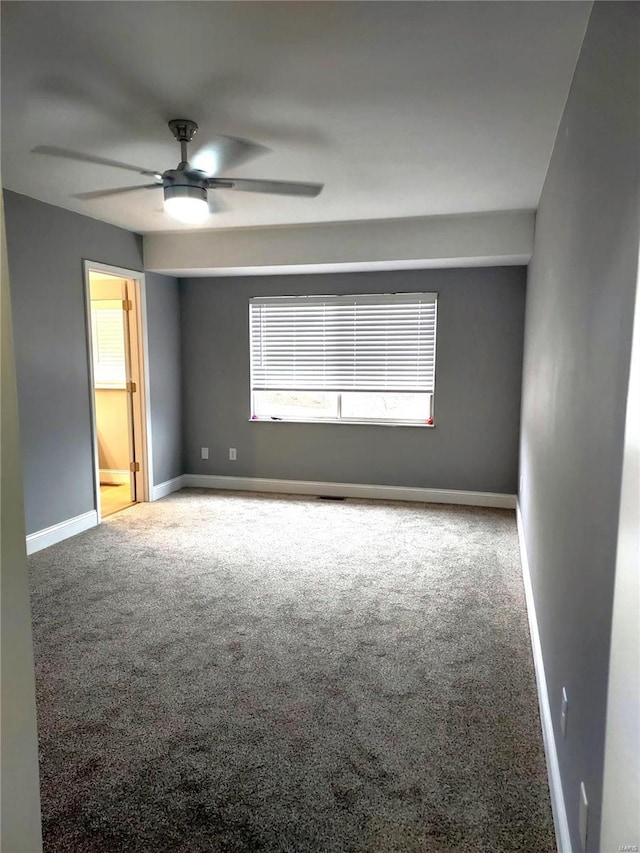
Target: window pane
x,y
386,406
291,405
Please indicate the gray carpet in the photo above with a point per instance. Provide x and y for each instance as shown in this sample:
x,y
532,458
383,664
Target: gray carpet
x,y
222,671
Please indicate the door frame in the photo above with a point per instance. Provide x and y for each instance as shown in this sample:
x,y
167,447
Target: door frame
x,y
143,448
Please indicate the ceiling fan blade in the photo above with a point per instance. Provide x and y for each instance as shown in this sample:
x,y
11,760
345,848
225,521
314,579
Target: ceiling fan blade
x,y
225,152
216,204
54,151
256,186
116,191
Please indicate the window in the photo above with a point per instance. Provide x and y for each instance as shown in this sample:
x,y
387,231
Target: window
x,y
368,358
107,333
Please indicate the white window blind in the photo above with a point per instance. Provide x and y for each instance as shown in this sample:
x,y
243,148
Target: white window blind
x,y
381,342
107,327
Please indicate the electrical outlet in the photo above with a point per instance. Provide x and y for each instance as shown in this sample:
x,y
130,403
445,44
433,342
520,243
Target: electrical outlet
x,y
582,816
232,454
204,453
564,708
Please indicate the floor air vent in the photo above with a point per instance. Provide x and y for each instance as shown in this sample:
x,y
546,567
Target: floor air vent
x,y
330,498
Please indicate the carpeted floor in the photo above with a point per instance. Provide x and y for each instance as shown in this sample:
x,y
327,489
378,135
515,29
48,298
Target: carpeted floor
x,y
231,672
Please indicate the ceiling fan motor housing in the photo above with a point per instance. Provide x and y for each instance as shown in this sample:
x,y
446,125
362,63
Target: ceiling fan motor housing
x,y
180,184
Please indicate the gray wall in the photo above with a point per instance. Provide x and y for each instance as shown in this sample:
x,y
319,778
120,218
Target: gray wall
x,y
163,321
577,348
46,248
478,376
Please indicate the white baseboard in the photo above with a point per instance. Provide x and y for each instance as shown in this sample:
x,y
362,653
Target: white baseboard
x,y
57,532
563,838
113,477
166,488
350,490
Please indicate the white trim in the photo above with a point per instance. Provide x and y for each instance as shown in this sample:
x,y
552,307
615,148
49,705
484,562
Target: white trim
x,y
351,490
63,530
113,477
118,272
166,488
92,395
145,394
563,838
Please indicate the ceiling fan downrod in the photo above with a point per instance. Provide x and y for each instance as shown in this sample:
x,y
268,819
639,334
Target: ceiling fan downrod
x,y
184,130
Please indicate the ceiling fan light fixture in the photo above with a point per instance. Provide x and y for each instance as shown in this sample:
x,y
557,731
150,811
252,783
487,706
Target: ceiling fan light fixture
x,y
187,204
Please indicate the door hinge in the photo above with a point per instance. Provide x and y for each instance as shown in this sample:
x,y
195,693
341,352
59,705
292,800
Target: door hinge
x,y
131,387
134,467
127,305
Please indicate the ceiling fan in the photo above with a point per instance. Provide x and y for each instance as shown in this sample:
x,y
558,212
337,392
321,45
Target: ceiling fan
x,y
185,187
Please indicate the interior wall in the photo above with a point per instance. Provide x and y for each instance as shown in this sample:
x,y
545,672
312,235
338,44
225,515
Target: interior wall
x,y
20,790
46,249
478,376
580,297
104,286
165,376
52,354
112,421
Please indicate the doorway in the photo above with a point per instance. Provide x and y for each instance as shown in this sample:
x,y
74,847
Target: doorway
x,y
117,357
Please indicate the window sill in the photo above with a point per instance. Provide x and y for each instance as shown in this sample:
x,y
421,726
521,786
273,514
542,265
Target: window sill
x,y
417,424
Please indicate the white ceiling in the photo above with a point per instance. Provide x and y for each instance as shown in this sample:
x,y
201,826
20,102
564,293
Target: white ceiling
x,y
401,109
